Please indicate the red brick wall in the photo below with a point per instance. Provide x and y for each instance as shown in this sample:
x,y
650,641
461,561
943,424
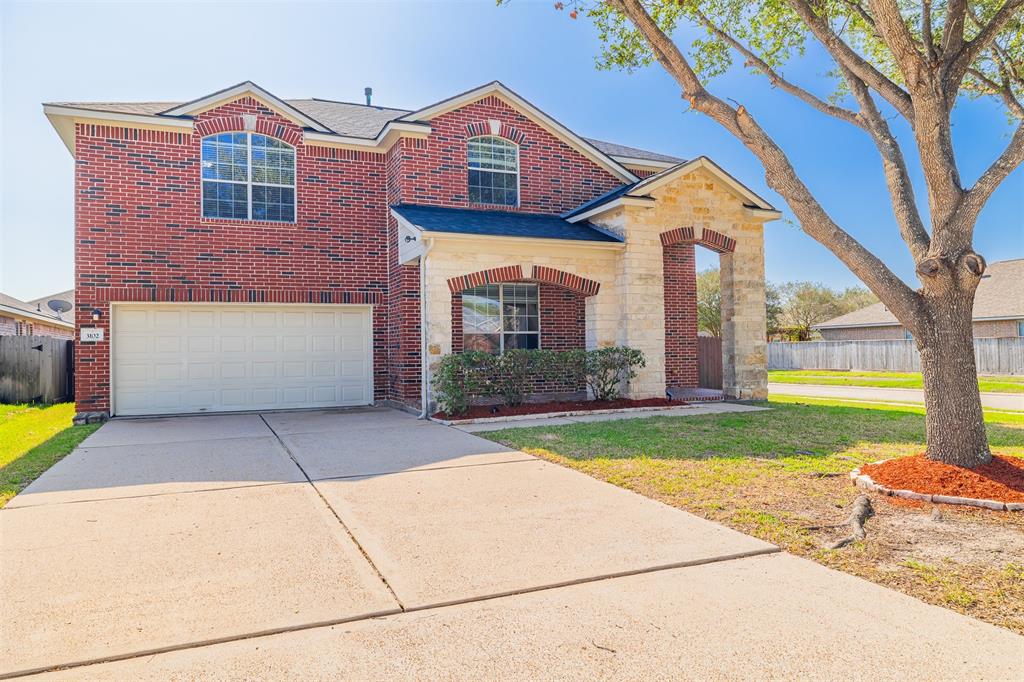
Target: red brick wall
x,y
404,346
140,235
680,316
553,176
139,229
562,327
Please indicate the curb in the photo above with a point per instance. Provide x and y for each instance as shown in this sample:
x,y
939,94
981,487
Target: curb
x,y
864,481
566,413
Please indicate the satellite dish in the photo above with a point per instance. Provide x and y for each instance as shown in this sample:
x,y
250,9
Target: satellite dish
x,y
58,306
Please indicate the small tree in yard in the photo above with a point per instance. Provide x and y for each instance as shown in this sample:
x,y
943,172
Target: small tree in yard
x,y
909,59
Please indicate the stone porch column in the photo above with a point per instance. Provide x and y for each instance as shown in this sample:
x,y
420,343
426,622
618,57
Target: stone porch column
x,y
744,345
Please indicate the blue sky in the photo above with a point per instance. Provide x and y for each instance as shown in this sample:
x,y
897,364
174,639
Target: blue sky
x,y
413,54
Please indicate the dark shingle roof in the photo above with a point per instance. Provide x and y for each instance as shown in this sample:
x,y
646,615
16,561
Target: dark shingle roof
x,y
612,149
500,223
344,118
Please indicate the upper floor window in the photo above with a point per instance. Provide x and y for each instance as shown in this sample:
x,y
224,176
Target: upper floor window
x,y
248,177
493,171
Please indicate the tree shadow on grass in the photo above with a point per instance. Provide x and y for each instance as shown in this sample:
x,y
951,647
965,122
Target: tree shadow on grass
x,y
788,430
30,465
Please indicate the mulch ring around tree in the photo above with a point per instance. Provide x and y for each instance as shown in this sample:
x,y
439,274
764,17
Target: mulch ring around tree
x,y
1000,482
481,411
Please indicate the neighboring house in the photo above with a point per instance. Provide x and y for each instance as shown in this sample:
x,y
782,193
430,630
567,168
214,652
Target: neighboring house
x,y
241,251
35,317
998,310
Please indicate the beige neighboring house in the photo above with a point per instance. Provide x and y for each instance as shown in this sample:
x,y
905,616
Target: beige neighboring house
x,y
998,311
36,318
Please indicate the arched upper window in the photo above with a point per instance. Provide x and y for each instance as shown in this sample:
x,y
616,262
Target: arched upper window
x,y
248,177
493,171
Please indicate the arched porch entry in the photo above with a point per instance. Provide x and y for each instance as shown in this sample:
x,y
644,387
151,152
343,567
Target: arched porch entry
x,y
682,343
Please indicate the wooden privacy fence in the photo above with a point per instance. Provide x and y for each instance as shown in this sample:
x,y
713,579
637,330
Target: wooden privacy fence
x,y
992,356
709,362
36,369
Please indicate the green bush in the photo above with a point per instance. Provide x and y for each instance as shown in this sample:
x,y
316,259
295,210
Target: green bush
x,y
605,369
460,379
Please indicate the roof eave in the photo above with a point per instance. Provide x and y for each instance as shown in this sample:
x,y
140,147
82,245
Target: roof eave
x,y
547,121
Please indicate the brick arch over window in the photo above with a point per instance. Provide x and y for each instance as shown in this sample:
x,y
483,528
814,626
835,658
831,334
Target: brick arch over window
x,y
716,241
514,273
485,128
237,123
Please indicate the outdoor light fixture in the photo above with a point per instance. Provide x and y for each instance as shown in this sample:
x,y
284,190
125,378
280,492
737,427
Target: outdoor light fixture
x,y
409,238
96,314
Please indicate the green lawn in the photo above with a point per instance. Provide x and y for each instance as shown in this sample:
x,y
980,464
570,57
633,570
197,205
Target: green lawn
x,y
32,439
775,473
824,377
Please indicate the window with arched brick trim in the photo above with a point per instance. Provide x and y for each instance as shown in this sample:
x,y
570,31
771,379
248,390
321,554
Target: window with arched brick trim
x,y
248,176
492,165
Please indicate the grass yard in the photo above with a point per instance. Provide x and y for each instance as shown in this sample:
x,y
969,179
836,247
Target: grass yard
x,y
32,439
824,377
772,474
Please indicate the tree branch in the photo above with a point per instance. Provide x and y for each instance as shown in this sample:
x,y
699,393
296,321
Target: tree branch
x,y
975,198
901,189
905,303
776,79
953,32
927,37
1004,90
966,53
847,56
889,22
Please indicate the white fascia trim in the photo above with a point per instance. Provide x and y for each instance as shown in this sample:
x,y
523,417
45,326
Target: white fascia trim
x,y
384,139
250,88
540,241
858,325
63,121
633,161
652,183
36,317
997,318
404,222
93,114
762,213
642,202
567,136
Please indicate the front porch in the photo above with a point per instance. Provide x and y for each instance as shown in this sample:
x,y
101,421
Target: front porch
x,y
622,274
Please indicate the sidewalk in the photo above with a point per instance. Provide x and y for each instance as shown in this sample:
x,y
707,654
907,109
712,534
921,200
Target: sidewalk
x,y
995,401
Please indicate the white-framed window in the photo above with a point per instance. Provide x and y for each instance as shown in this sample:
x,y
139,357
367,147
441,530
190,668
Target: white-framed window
x,y
500,317
1020,327
493,166
247,176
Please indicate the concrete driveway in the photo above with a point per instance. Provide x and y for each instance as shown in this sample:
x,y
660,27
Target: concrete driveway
x,y
365,543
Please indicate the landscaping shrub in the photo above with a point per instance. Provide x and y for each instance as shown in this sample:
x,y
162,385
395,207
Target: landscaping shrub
x,y
461,378
605,369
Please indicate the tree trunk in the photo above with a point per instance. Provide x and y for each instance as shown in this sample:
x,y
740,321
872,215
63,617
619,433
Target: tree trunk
x,y
953,417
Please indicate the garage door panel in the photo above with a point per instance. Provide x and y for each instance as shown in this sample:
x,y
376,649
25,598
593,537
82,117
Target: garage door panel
x,y
196,358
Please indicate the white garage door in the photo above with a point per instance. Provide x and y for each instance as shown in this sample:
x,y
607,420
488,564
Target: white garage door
x,y
172,359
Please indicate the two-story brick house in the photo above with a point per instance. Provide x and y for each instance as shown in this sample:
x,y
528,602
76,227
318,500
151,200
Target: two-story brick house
x,y
242,252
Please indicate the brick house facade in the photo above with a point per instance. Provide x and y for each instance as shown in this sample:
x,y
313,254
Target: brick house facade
x,y
157,274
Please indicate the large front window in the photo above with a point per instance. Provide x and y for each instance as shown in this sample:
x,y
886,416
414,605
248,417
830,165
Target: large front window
x,y
248,177
493,171
500,317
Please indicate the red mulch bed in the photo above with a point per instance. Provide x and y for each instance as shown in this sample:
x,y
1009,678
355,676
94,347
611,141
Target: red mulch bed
x,y
1002,479
478,411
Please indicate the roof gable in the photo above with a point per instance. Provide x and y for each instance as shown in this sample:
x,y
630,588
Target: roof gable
x,y
246,89
542,119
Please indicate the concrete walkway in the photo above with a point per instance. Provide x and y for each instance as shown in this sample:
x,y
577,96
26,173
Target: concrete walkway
x,y
996,401
367,544
693,410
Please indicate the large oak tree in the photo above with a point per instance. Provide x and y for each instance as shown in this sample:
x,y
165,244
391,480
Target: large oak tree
x,y
915,60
